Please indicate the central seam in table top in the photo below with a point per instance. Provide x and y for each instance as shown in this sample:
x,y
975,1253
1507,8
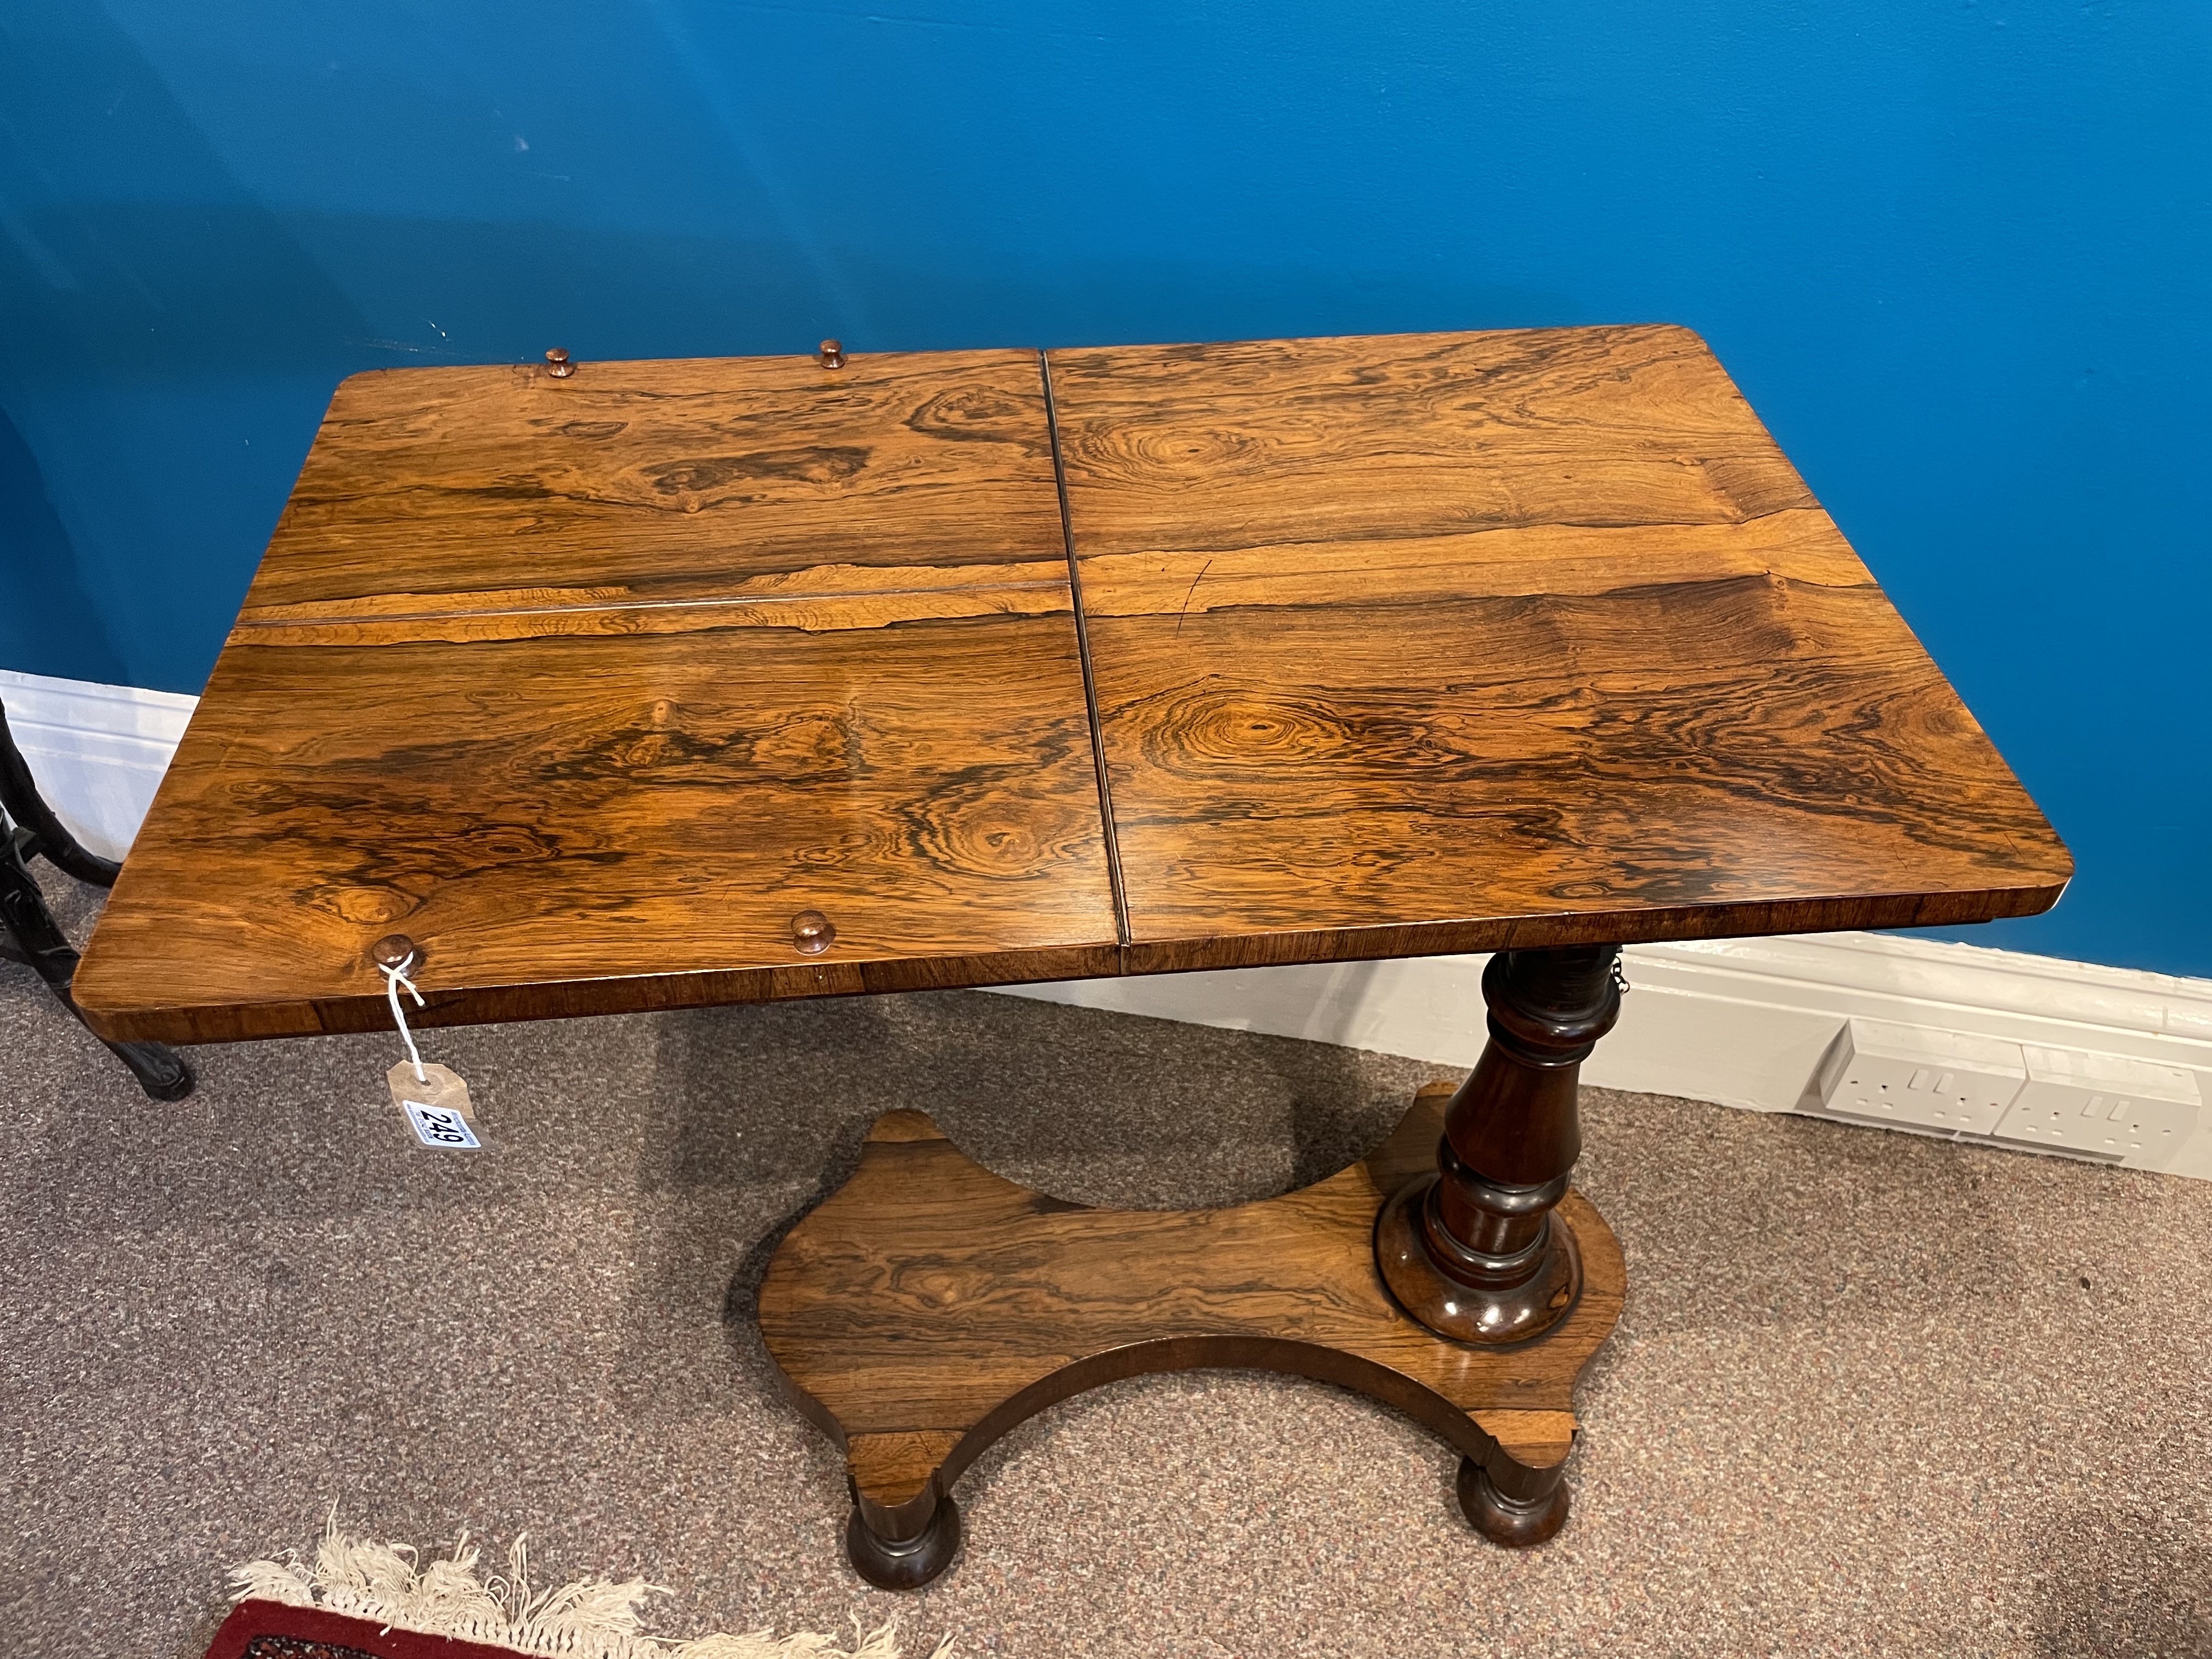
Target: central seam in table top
x,y
1026,665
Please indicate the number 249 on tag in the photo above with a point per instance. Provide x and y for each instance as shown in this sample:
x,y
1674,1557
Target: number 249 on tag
x,y
441,1126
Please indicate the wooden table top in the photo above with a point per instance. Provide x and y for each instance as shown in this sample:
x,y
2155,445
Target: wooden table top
x,y
1375,646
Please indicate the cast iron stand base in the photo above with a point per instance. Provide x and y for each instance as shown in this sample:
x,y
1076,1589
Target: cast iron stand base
x,y
28,932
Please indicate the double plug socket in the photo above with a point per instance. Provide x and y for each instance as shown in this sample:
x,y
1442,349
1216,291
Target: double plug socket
x,y
2108,1107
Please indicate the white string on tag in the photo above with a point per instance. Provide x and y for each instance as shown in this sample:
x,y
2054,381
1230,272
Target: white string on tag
x,y
393,979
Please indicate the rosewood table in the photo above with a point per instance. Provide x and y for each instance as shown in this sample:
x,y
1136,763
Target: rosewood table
x,y
619,686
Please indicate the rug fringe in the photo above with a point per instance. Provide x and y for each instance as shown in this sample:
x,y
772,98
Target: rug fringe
x,y
589,1619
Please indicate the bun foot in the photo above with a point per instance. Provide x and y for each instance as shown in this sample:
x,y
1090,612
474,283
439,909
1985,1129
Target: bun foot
x,y
1516,1522
905,1563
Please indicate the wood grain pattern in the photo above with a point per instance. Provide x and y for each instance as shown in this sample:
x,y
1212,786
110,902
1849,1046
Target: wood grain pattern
x,y
1479,642
593,750
823,598
465,489
929,1306
1399,645
578,825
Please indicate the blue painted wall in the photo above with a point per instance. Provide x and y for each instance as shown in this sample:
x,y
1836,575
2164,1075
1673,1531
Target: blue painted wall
x,y
1957,253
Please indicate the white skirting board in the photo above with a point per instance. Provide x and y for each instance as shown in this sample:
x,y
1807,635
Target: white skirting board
x,y
98,751
1740,1023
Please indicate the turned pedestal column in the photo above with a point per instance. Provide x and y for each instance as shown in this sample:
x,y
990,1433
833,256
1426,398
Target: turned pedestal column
x,y
1477,1252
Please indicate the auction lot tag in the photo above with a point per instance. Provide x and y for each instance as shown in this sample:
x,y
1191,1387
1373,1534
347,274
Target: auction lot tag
x,y
440,1126
436,1104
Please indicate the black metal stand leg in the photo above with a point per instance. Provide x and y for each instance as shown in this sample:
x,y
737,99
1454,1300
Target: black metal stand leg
x,y
29,827
50,838
39,940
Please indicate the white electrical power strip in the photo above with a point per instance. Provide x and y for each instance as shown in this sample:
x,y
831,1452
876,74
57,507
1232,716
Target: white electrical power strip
x,y
2078,1102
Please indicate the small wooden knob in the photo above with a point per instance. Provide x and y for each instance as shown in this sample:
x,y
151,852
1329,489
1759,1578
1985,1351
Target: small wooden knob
x,y
393,950
558,364
832,353
812,933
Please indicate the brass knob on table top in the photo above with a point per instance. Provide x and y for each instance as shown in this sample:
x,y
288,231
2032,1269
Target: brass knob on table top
x,y
558,364
832,355
394,950
812,933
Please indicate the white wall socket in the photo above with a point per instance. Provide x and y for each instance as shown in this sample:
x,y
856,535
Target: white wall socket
x,y
2132,1111
1916,1077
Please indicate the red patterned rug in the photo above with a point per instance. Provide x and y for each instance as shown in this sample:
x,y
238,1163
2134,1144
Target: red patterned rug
x,y
360,1599
271,1629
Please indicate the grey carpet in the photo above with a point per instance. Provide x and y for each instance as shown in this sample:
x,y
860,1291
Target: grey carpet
x,y
1873,1394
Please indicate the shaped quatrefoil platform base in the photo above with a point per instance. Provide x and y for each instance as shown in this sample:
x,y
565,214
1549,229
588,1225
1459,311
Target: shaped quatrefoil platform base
x,y
929,1306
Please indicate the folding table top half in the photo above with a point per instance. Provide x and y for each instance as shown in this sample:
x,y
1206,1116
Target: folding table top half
x,y
1013,666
